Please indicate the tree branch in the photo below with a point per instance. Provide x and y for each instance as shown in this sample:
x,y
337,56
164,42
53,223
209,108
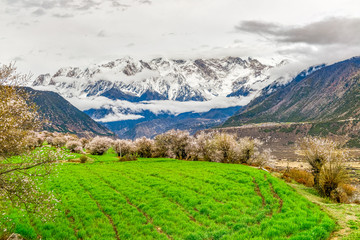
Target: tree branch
x,y
25,168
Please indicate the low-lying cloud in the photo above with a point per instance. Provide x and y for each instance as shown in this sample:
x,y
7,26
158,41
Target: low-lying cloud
x,y
133,110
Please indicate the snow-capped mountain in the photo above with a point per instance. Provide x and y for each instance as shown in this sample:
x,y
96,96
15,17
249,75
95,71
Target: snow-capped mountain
x,y
160,79
125,89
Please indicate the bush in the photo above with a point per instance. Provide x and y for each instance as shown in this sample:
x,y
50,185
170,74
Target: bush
x,y
349,189
84,142
33,141
203,145
59,141
99,145
144,147
173,143
161,146
128,157
83,158
226,148
327,161
123,147
332,174
74,146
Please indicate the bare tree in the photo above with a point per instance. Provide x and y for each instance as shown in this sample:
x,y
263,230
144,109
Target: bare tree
x,y
327,161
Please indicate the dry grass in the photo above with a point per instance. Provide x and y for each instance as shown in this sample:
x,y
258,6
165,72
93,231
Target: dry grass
x,y
300,176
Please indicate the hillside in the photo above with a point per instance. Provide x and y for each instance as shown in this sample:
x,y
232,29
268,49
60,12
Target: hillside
x,y
61,116
329,94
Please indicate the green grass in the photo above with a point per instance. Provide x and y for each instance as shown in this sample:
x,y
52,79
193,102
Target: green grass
x,y
171,199
347,216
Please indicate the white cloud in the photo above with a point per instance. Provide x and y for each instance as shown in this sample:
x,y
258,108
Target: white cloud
x,y
146,25
157,107
114,117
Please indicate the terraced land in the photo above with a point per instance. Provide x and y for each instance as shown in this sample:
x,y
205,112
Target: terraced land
x,y
171,199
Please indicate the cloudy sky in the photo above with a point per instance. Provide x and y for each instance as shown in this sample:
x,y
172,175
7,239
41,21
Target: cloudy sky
x,y
44,35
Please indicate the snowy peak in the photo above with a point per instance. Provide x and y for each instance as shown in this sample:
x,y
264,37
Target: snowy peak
x,y
161,79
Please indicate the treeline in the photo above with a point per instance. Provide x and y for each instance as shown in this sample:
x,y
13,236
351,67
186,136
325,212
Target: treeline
x,y
215,146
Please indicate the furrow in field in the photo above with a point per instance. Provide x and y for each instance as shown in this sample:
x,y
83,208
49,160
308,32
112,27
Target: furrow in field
x,y
71,220
145,179
210,180
127,220
144,198
277,197
182,208
102,210
148,218
235,190
258,192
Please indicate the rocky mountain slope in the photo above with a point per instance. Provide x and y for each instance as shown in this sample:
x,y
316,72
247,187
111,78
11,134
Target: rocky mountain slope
x,y
329,94
61,116
129,95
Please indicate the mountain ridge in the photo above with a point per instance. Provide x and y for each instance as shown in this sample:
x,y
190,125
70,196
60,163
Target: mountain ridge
x,y
60,116
328,94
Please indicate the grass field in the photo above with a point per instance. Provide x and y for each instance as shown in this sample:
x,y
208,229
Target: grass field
x,y
171,199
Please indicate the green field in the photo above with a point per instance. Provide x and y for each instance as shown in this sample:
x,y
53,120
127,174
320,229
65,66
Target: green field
x,y
171,199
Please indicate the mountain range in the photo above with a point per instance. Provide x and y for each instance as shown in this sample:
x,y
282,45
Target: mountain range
x,y
321,100
144,98
331,93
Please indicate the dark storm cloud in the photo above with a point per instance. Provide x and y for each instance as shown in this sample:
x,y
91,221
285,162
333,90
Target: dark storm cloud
x,y
327,31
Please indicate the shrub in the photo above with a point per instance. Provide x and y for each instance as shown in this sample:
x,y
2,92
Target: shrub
x,y
246,150
327,161
349,189
123,147
74,146
99,145
83,158
128,157
161,146
84,142
260,159
203,145
173,143
344,193
192,149
33,141
144,147
179,141
332,174
224,148
59,141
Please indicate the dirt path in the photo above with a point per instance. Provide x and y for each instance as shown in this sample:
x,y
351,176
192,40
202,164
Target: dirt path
x,y
343,214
